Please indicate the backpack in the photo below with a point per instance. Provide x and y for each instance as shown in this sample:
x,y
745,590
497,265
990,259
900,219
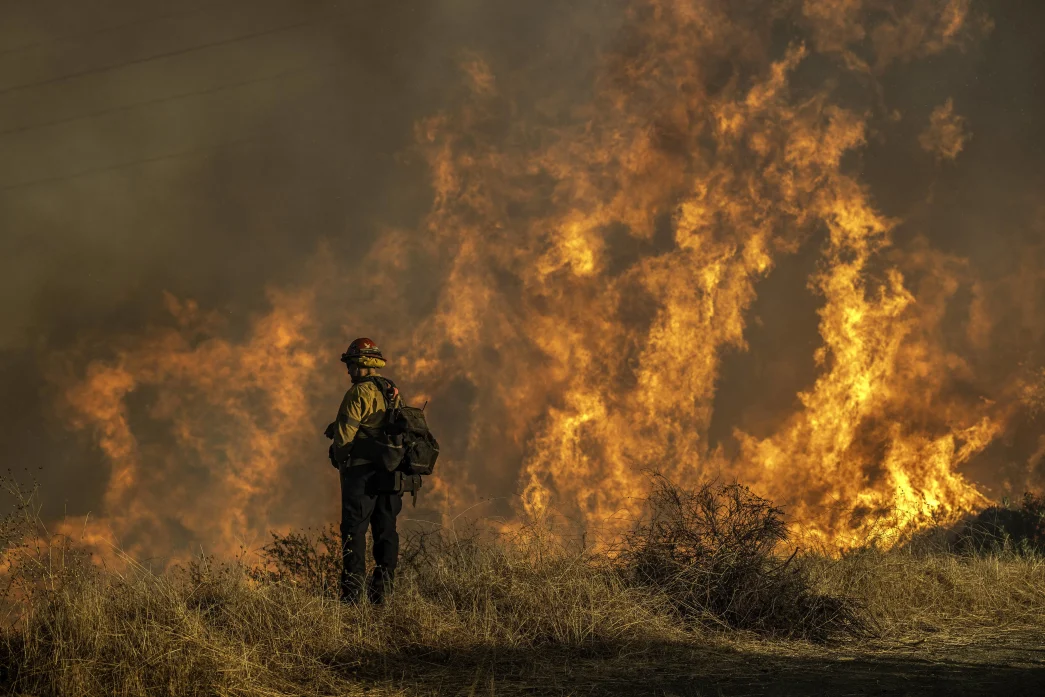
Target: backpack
x,y
403,444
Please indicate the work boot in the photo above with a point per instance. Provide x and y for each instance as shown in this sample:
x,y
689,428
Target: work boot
x,y
352,589
381,584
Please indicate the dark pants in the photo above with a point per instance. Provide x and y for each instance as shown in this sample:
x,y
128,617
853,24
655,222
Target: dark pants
x,y
364,504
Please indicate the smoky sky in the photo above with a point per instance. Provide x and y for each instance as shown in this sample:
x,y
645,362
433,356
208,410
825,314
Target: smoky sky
x,y
205,150
209,149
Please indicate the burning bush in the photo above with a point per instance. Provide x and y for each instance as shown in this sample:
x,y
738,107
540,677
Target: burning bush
x,y
712,551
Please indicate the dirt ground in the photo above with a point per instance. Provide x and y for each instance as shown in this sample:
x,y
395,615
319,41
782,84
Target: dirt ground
x,y
977,662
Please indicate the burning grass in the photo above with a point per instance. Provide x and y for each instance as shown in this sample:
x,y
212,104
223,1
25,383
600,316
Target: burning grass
x,y
693,585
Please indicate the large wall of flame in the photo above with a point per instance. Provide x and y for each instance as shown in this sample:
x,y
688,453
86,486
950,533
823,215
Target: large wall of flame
x,y
795,243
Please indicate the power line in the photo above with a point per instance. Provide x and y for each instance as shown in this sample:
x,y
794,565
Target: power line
x,y
104,30
167,54
129,164
161,100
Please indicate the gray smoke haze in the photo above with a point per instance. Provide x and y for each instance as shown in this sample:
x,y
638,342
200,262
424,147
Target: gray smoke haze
x,y
200,149
208,150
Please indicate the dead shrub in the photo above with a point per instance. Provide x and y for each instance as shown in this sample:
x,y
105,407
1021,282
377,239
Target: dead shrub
x,y
1019,530
307,560
713,553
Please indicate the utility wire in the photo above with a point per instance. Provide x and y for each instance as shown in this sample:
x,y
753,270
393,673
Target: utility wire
x,y
130,163
104,30
167,54
169,98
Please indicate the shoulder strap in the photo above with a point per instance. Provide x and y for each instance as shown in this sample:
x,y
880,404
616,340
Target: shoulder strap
x,y
386,387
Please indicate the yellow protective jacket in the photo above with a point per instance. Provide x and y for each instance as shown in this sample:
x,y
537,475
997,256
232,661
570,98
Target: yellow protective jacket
x,y
363,406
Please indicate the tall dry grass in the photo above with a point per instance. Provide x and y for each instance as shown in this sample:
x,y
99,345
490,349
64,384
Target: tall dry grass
x,y
988,570
462,602
212,629
905,590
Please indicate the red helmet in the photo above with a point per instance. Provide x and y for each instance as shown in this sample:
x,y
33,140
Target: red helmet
x,y
359,348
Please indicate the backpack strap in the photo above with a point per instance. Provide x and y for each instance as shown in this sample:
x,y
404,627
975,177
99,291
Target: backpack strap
x,y
387,388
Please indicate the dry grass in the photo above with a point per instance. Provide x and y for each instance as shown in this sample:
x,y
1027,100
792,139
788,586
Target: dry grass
x,y
211,628
905,590
471,615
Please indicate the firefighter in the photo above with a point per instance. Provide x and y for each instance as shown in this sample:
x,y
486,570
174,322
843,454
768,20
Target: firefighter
x,y
366,500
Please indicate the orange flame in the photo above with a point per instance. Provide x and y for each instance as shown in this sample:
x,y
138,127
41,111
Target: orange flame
x,y
236,411
593,275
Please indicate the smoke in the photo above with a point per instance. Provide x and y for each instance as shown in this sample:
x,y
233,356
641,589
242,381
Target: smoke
x,y
946,134
699,236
